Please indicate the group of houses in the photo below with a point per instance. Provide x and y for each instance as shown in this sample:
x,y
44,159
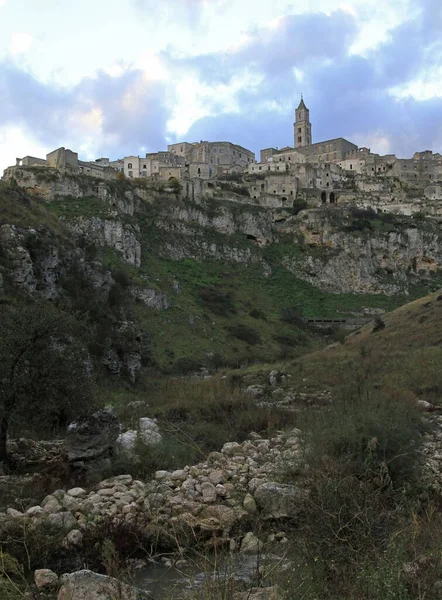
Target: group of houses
x,y
277,177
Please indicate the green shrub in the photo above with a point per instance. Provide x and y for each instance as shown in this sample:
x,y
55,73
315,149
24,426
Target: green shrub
x,y
293,316
298,205
245,333
219,302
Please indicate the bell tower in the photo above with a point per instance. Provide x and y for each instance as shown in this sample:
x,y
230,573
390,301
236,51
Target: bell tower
x,y
302,127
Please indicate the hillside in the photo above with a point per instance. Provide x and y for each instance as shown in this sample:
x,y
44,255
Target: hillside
x,y
209,281
327,456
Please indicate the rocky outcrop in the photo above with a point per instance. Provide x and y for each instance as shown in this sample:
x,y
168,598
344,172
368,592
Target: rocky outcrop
x,y
340,261
90,440
124,238
151,298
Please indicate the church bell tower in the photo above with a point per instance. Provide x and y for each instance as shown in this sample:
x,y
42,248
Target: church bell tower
x,y
302,127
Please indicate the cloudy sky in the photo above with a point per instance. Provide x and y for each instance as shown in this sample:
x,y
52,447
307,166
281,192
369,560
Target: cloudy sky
x,y
117,77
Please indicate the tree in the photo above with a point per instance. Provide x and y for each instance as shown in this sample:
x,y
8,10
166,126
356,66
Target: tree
x,y
43,369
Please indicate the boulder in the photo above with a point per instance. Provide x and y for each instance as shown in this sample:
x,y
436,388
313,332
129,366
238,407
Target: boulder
x,y
278,500
45,579
93,436
249,504
126,441
77,492
250,544
74,539
149,432
86,585
62,520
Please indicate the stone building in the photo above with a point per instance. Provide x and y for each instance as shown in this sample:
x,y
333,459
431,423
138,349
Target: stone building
x,y
220,156
135,166
334,150
67,160
31,161
302,128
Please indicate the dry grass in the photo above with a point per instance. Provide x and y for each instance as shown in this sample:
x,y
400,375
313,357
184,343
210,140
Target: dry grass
x,y
405,354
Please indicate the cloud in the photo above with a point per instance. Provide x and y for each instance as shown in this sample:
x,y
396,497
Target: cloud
x,y
20,43
173,10
348,95
247,92
101,115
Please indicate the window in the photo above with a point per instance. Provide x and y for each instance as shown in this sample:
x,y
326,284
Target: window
x,y
260,168
199,171
144,167
299,130
299,139
181,149
129,166
351,167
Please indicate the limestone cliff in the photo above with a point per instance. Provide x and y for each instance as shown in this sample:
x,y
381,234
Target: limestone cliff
x,y
211,271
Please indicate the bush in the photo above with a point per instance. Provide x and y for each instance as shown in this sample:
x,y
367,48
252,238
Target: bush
x,y
298,205
257,314
292,316
218,302
373,435
202,415
245,333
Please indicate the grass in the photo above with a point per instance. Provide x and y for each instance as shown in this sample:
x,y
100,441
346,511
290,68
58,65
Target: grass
x,y
86,206
196,417
404,357
18,209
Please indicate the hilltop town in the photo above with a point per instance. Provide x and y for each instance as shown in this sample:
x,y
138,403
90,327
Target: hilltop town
x,y
328,172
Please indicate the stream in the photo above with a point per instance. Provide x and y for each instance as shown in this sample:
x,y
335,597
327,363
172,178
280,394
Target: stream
x,y
170,582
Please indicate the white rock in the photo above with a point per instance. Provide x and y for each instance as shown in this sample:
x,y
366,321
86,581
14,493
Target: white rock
x,y
11,512
36,511
126,441
77,492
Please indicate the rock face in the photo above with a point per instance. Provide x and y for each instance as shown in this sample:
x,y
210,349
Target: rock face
x,y
92,437
337,260
86,585
113,233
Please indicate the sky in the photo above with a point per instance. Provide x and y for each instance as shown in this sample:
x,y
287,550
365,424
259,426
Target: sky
x,y
120,77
